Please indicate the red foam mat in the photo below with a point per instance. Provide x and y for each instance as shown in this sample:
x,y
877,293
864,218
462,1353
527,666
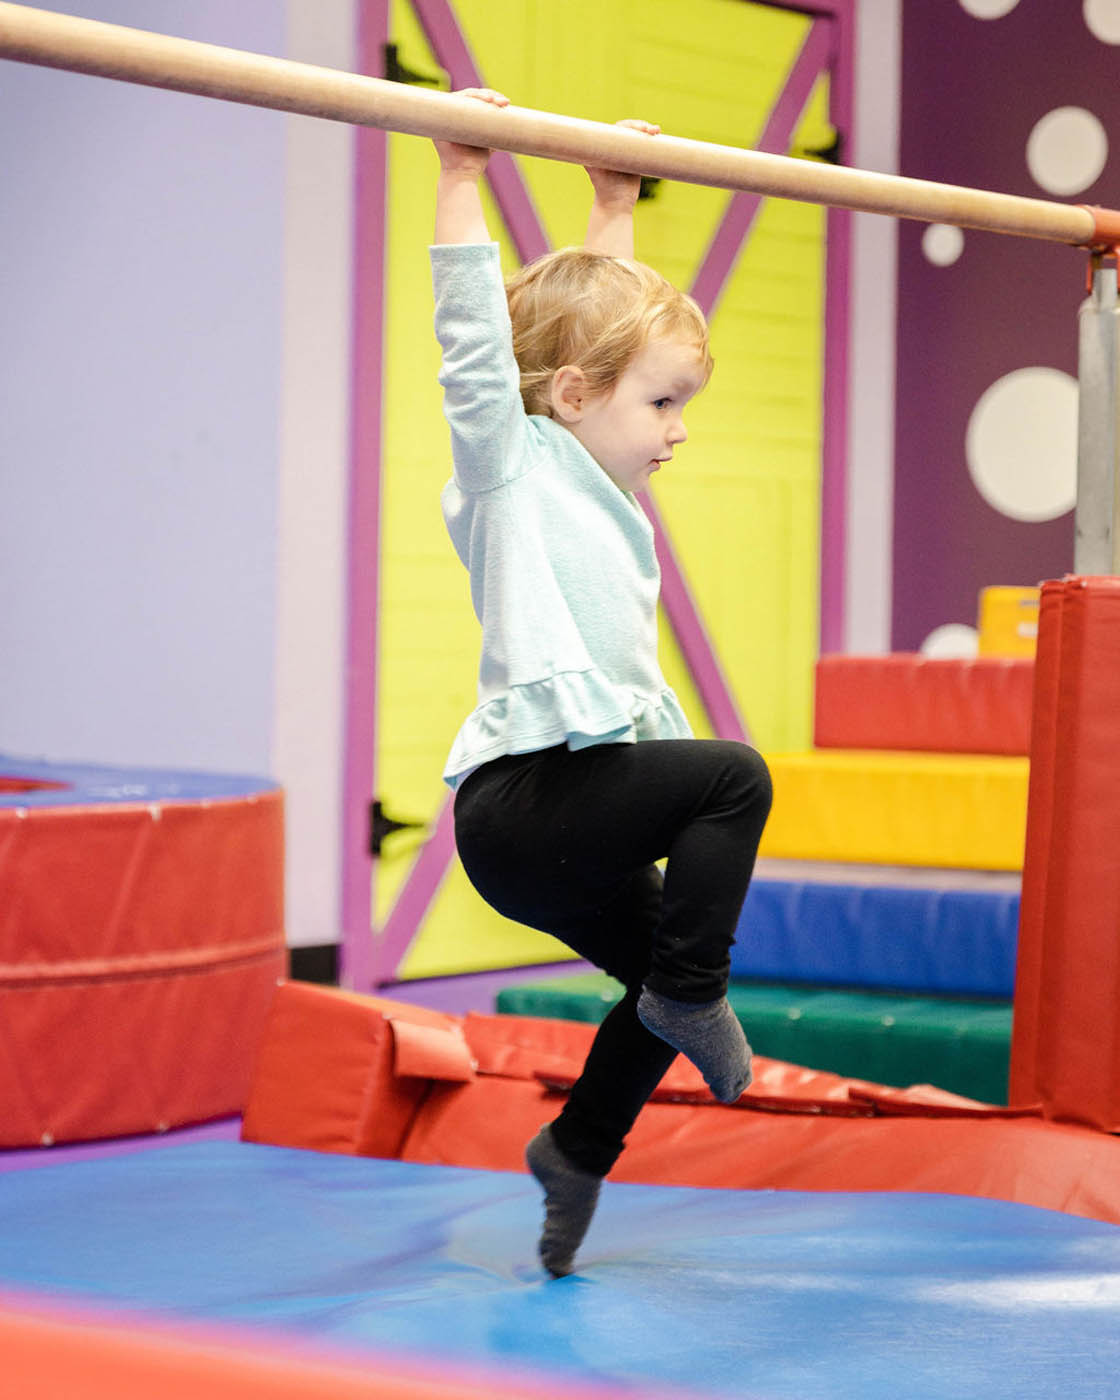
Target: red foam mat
x,y
53,1351
140,945
914,702
794,1129
1067,994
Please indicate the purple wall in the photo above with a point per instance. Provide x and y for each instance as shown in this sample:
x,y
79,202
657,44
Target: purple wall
x,y
972,91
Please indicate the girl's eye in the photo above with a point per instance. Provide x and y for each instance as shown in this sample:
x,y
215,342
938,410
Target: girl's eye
x,y
662,403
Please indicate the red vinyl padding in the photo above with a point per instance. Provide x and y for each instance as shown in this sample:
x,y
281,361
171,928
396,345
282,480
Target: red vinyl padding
x,y
326,1080
1067,993
913,702
140,945
74,1352
325,1076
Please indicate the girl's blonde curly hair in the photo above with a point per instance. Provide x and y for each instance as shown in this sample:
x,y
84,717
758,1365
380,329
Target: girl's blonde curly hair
x,y
575,307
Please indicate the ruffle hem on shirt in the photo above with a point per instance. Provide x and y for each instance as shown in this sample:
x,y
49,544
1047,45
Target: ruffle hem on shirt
x,y
579,708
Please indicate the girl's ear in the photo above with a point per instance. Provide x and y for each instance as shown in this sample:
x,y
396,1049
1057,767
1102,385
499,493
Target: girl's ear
x,y
568,393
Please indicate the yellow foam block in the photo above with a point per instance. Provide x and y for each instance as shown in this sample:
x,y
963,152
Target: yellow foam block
x,y
1008,621
956,810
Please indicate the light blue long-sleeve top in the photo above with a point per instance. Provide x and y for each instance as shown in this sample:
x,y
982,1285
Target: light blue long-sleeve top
x,y
563,574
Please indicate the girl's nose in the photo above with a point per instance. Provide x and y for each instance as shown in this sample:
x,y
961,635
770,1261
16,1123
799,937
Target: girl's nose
x,y
678,432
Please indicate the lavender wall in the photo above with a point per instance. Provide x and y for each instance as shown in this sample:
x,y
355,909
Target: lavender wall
x,y
141,260
972,92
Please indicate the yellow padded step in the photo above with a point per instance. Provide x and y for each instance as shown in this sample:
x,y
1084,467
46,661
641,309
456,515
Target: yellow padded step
x,y
965,811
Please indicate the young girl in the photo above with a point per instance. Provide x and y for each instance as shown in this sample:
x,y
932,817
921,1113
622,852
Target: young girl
x,y
576,772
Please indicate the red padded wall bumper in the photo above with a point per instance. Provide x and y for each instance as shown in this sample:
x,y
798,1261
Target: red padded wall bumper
x,y
937,705
1067,992
327,1078
140,945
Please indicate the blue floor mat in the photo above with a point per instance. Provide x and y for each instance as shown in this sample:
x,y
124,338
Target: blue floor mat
x,y
722,1293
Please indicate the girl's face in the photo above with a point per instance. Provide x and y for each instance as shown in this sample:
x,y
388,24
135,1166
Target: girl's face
x,y
632,429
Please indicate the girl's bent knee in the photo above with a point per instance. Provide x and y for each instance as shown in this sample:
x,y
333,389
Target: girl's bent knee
x,y
751,776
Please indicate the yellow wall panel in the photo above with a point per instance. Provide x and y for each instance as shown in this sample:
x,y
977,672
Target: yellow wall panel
x,y
463,934
678,675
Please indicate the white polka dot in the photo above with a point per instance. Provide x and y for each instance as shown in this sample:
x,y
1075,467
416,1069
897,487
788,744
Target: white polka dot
x,y
1103,20
953,640
988,9
1067,150
942,244
1021,444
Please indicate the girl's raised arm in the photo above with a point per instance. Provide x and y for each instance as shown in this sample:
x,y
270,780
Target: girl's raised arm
x,y
459,214
610,228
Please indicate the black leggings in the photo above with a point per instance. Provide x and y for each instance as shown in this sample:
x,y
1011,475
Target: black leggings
x,y
566,842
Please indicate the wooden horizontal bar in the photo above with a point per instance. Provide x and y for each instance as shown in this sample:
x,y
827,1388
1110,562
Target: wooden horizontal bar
x,y
54,40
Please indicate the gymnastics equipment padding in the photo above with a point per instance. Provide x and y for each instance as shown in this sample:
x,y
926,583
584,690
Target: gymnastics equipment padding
x,y
795,1128
951,932
335,1073
141,938
80,1352
936,704
963,811
1008,621
1067,997
961,1046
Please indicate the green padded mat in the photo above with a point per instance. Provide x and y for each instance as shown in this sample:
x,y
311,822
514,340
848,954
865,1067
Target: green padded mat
x,y
888,1038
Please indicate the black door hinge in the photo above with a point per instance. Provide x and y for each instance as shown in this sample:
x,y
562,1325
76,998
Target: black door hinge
x,y
381,826
396,72
831,154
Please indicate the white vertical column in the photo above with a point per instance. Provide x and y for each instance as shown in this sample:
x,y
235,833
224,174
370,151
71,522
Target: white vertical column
x,y
871,415
314,448
1097,527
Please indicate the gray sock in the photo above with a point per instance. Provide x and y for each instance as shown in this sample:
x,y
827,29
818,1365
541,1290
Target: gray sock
x,y
708,1033
570,1196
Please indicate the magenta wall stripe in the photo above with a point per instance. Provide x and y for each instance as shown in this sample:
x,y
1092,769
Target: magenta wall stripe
x,y
364,522
775,140
452,53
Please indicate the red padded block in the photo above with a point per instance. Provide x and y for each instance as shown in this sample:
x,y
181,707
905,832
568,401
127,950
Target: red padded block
x,y
1067,993
487,1123
484,1124
121,887
1023,1079
425,1052
522,1047
110,1057
327,1075
1044,1164
326,1064
913,702
139,948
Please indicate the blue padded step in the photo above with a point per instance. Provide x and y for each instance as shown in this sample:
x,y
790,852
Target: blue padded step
x,y
951,932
